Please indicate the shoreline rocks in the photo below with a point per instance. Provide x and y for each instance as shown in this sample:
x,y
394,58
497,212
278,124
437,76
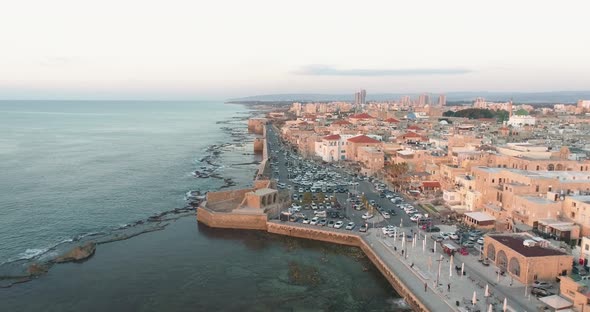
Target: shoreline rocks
x,y
78,253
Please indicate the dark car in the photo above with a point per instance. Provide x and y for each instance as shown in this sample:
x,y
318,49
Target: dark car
x,y
382,195
540,292
433,229
392,212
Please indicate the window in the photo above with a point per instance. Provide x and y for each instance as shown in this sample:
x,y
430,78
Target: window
x,y
536,188
586,247
573,214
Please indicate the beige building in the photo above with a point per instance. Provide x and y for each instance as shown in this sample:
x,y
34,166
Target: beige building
x,y
525,258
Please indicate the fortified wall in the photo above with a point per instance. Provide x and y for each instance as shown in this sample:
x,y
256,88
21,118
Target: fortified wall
x,y
256,125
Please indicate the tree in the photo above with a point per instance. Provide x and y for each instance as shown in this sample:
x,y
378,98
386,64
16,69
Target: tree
x,y
521,112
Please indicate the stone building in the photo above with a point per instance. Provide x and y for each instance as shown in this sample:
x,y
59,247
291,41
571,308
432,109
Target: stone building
x,y
526,258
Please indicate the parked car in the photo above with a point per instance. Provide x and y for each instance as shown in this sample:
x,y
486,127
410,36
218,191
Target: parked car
x,y
331,223
541,284
350,226
385,214
437,238
433,229
367,216
338,224
305,221
454,236
363,228
323,222
540,292
468,244
314,221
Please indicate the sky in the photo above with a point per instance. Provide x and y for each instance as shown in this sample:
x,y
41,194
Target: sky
x,y
175,49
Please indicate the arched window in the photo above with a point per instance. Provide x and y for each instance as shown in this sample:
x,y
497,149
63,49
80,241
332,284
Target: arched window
x,y
491,252
263,200
538,168
559,167
514,266
550,167
501,260
274,198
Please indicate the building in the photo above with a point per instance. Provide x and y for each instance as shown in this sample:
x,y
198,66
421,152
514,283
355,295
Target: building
x,y
360,97
423,100
442,100
353,144
522,120
526,258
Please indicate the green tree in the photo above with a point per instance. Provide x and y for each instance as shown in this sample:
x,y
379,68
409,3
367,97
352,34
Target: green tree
x,y
521,112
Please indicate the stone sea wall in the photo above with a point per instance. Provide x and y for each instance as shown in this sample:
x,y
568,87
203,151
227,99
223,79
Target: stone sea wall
x,y
232,220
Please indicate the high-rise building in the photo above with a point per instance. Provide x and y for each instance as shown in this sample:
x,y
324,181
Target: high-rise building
x,y
442,100
360,97
424,99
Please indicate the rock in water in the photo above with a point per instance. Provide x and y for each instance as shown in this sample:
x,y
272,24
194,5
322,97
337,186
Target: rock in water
x,y
78,253
37,269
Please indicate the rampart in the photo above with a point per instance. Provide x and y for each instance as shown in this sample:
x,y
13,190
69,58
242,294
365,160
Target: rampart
x,y
232,220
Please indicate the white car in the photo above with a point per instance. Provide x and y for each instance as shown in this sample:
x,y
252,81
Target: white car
x,y
305,221
367,216
314,206
338,224
296,207
415,217
314,221
385,215
480,241
350,226
454,236
387,229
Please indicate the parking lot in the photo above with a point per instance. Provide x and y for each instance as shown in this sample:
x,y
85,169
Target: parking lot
x,y
331,193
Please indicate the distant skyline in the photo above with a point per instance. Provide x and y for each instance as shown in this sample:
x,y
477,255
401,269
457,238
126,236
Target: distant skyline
x,y
177,49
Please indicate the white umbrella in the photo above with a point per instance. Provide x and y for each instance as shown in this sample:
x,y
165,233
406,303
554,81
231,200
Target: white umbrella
x,y
462,269
505,306
401,223
451,267
490,308
487,292
434,246
403,239
423,246
474,299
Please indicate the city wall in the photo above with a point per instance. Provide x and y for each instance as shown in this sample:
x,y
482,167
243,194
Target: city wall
x,y
232,220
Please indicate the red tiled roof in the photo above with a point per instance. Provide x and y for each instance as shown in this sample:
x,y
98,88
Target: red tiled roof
x,y
432,184
391,120
414,127
412,135
363,139
362,116
332,137
341,122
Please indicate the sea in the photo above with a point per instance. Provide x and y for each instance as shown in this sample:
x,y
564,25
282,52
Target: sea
x,y
73,171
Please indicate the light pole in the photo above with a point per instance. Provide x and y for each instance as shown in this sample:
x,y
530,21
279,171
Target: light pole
x,y
440,260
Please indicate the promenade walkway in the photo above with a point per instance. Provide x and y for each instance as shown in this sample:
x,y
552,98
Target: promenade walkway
x,y
421,266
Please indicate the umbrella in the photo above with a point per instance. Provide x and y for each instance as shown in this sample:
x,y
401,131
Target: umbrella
x,y
462,269
434,246
505,305
403,239
423,246
474,299
451,267
490,308
487,292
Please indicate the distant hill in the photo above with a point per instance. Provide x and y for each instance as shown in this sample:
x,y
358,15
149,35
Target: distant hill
x,y
518,97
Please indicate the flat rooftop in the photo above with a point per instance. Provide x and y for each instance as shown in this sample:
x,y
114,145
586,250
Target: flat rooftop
x,y
515,242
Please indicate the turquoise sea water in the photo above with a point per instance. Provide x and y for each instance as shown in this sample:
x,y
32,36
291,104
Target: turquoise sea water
x,y
69,169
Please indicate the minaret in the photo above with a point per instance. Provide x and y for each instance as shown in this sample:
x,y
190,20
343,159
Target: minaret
x,y
510,108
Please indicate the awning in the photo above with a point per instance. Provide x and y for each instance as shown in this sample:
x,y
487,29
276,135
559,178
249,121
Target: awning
x,y
480,216
556,302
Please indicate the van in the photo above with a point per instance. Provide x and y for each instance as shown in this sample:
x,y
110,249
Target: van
x,y
320,214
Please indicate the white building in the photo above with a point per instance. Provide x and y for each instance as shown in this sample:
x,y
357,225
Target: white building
x,y
522,120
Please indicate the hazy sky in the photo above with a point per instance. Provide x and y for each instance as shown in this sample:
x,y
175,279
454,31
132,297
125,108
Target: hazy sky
x,y
220,49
